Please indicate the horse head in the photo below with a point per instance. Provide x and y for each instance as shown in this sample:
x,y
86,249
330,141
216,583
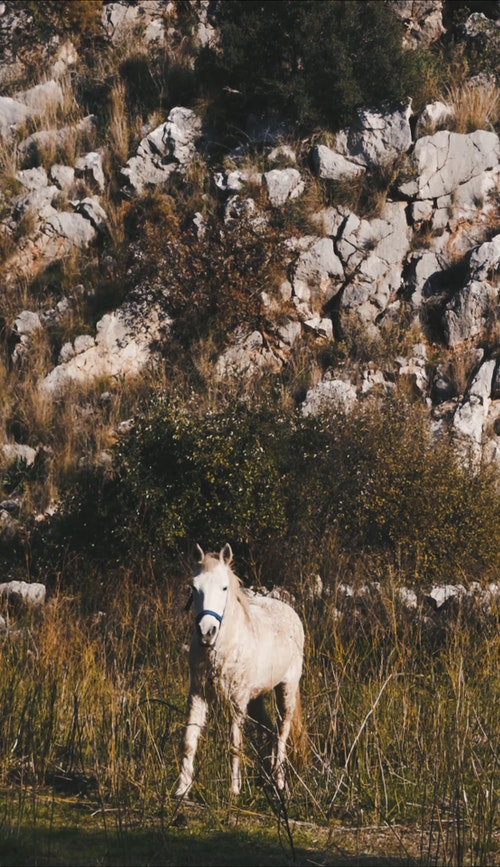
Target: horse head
x,y
210,588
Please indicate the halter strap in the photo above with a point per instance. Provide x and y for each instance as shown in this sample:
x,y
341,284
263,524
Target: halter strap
x,y
212,613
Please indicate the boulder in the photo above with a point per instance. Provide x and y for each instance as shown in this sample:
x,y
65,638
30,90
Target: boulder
x,y
329,393
13,452
377,137
424,276
235,180
248,356
446,160
42,97
16,111
170,147
144,20
52,140
92,211
23,594
470,310
66,230
123,347
90,168
62,176
422,20
332,166
12,114
372,253
470,417
440,595
283,184
414,368
435,116
317,273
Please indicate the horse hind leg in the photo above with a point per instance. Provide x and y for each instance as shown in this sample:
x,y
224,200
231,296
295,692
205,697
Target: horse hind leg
x,y
286,698
258,714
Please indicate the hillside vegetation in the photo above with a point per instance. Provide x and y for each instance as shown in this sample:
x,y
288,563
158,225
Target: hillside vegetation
x,y
346,509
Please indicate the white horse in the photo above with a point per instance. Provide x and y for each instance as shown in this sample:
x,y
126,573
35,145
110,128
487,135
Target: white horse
x,y
242,647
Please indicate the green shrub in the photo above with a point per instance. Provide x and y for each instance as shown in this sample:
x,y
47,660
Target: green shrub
x,y
384,486
205,478
182,478
18,474
281,488
317,61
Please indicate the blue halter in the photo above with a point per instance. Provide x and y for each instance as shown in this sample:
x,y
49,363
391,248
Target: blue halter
x,y
212,613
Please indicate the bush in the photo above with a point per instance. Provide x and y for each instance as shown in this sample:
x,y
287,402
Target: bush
x,y
280,488
205,478
182,478
383,486
317,61
78,19
210,286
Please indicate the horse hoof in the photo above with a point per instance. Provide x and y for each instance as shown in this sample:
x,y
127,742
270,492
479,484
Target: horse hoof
x,y
180,821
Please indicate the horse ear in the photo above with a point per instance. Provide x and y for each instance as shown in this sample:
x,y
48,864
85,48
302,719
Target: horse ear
x,y
201,553
226,554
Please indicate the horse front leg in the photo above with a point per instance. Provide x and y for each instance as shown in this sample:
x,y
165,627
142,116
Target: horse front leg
x,y
238,717
196,718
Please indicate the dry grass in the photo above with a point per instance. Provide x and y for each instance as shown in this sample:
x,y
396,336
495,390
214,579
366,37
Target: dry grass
x,y
475,106
9,165
401,717
61,112
459,364
75,428
119,124
366,194
31,412
115,213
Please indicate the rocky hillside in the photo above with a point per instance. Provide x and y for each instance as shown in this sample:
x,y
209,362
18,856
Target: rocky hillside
x,y
151,244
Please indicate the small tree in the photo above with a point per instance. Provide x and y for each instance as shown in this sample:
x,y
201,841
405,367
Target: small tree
x,y
310,62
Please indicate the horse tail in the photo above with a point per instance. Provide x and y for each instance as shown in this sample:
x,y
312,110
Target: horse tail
x,y
299,740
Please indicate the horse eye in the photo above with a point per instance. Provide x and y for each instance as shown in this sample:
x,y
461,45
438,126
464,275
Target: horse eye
x,y
224,589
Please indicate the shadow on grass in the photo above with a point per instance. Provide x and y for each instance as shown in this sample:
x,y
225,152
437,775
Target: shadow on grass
x,y
40,829
151,848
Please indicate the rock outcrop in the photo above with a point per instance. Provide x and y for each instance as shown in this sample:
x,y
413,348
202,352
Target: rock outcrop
x,y
425,257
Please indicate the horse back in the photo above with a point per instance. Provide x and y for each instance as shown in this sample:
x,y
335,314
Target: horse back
x,y
278,637
280,614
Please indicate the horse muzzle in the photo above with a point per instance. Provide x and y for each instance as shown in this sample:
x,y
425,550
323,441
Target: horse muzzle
x,y
208,623
207,639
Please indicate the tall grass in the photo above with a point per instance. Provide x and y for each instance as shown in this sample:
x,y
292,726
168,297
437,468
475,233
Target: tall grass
x,y
475,106
401,714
